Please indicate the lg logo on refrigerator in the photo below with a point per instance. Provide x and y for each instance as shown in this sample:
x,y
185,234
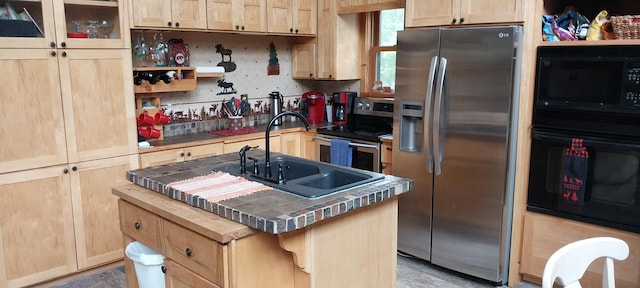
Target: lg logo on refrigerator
x,y
503,35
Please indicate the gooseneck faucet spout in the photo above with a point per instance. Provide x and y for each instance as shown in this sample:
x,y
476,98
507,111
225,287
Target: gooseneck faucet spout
x,y
267,158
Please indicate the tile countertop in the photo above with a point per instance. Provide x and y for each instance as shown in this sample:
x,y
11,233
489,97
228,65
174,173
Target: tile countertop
x,y
272,211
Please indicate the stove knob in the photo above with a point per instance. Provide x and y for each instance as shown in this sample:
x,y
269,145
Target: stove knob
x,y
360,105
367,106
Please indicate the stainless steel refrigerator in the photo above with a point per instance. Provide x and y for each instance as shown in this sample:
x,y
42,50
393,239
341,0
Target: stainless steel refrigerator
x,y
454,134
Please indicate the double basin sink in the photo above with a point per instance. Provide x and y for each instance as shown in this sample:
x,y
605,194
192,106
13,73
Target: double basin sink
x,y
306,178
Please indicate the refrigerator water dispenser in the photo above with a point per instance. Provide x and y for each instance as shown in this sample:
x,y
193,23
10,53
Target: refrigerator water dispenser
x,y
411,126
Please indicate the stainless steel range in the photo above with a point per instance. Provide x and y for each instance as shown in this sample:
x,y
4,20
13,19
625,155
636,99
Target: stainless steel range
x,y
368,119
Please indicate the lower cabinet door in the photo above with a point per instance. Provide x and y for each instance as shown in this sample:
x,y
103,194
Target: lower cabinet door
x,y
177,276
36,226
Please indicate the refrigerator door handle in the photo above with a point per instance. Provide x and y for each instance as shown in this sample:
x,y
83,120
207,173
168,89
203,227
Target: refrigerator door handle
x,y
427,110
442,71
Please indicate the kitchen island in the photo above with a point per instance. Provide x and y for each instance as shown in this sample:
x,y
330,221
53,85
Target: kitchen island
x,y
267,239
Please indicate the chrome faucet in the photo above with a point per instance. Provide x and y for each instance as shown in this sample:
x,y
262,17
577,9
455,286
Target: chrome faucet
x,y
267,163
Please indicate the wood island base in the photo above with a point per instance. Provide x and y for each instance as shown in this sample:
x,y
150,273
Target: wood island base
x,y
356,249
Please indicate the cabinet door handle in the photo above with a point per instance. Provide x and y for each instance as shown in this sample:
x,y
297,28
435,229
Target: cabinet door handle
x,y
461,20
53,53
454,21
169,24
237,27
65,170
188,252
242,28
52,44
291,30
137,225
296,31
188,154
181,154
74,168
389,148
177,24
164,269
63,44
64,53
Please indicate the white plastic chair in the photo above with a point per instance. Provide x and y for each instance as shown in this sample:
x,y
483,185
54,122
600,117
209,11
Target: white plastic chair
x,y
569,263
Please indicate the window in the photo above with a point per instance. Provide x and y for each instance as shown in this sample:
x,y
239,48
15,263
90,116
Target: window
x,y
382,55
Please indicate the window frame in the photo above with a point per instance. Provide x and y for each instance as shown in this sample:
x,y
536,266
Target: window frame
x,y
371,48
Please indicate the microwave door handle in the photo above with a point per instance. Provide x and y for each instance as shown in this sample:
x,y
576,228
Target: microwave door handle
x,y
427,111
437,150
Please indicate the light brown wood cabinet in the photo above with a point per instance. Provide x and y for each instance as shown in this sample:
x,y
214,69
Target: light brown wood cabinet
x,y
310,149
337,47
77,111
290,143
232,146
237,15
68,136
60,219
542,237
179,14
360,6
303,60
205,250
180,155
459,12
55,18
292,16
386,150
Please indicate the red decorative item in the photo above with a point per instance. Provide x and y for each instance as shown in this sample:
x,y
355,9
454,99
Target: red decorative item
x,y
575,172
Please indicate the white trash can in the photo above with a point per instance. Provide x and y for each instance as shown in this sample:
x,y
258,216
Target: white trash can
x,y
148,265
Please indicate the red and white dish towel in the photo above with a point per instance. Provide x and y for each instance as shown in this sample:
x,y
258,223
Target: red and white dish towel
x,y
218,186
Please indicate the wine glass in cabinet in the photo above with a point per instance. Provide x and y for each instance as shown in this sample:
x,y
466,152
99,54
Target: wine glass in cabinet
x,y
54,24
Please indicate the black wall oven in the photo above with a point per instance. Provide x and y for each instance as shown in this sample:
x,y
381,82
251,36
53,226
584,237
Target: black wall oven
x,y
585,150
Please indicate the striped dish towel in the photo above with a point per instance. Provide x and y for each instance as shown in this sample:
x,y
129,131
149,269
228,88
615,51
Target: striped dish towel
x,y
218,186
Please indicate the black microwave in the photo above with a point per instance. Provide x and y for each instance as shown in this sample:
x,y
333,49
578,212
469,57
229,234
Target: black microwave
x,y
588,78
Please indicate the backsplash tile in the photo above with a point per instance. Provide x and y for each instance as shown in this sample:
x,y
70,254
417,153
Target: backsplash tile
x,y
250,54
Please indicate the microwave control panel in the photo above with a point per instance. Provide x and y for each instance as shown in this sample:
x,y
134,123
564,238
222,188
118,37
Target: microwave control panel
x,y
631,87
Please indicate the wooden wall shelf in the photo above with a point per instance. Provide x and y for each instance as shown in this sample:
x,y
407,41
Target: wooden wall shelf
x,y
186,81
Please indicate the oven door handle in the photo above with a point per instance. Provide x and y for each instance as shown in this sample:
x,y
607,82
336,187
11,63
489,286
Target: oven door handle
x,y
559,137
350,144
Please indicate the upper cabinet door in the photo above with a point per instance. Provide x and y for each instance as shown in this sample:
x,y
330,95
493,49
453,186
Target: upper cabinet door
x,y
459,12
305,17
65,24
151,13
237,15
280,16
254,15
359,6
189,14
99,121
491,11
32,125
101,21
430,13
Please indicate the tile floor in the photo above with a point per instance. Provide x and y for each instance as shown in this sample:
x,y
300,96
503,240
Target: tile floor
x,y
412,273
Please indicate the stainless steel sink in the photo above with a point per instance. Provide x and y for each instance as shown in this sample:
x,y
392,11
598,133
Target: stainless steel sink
x,y
306,178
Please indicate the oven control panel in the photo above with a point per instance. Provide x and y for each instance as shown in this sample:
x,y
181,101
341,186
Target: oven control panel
x,y
373,106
